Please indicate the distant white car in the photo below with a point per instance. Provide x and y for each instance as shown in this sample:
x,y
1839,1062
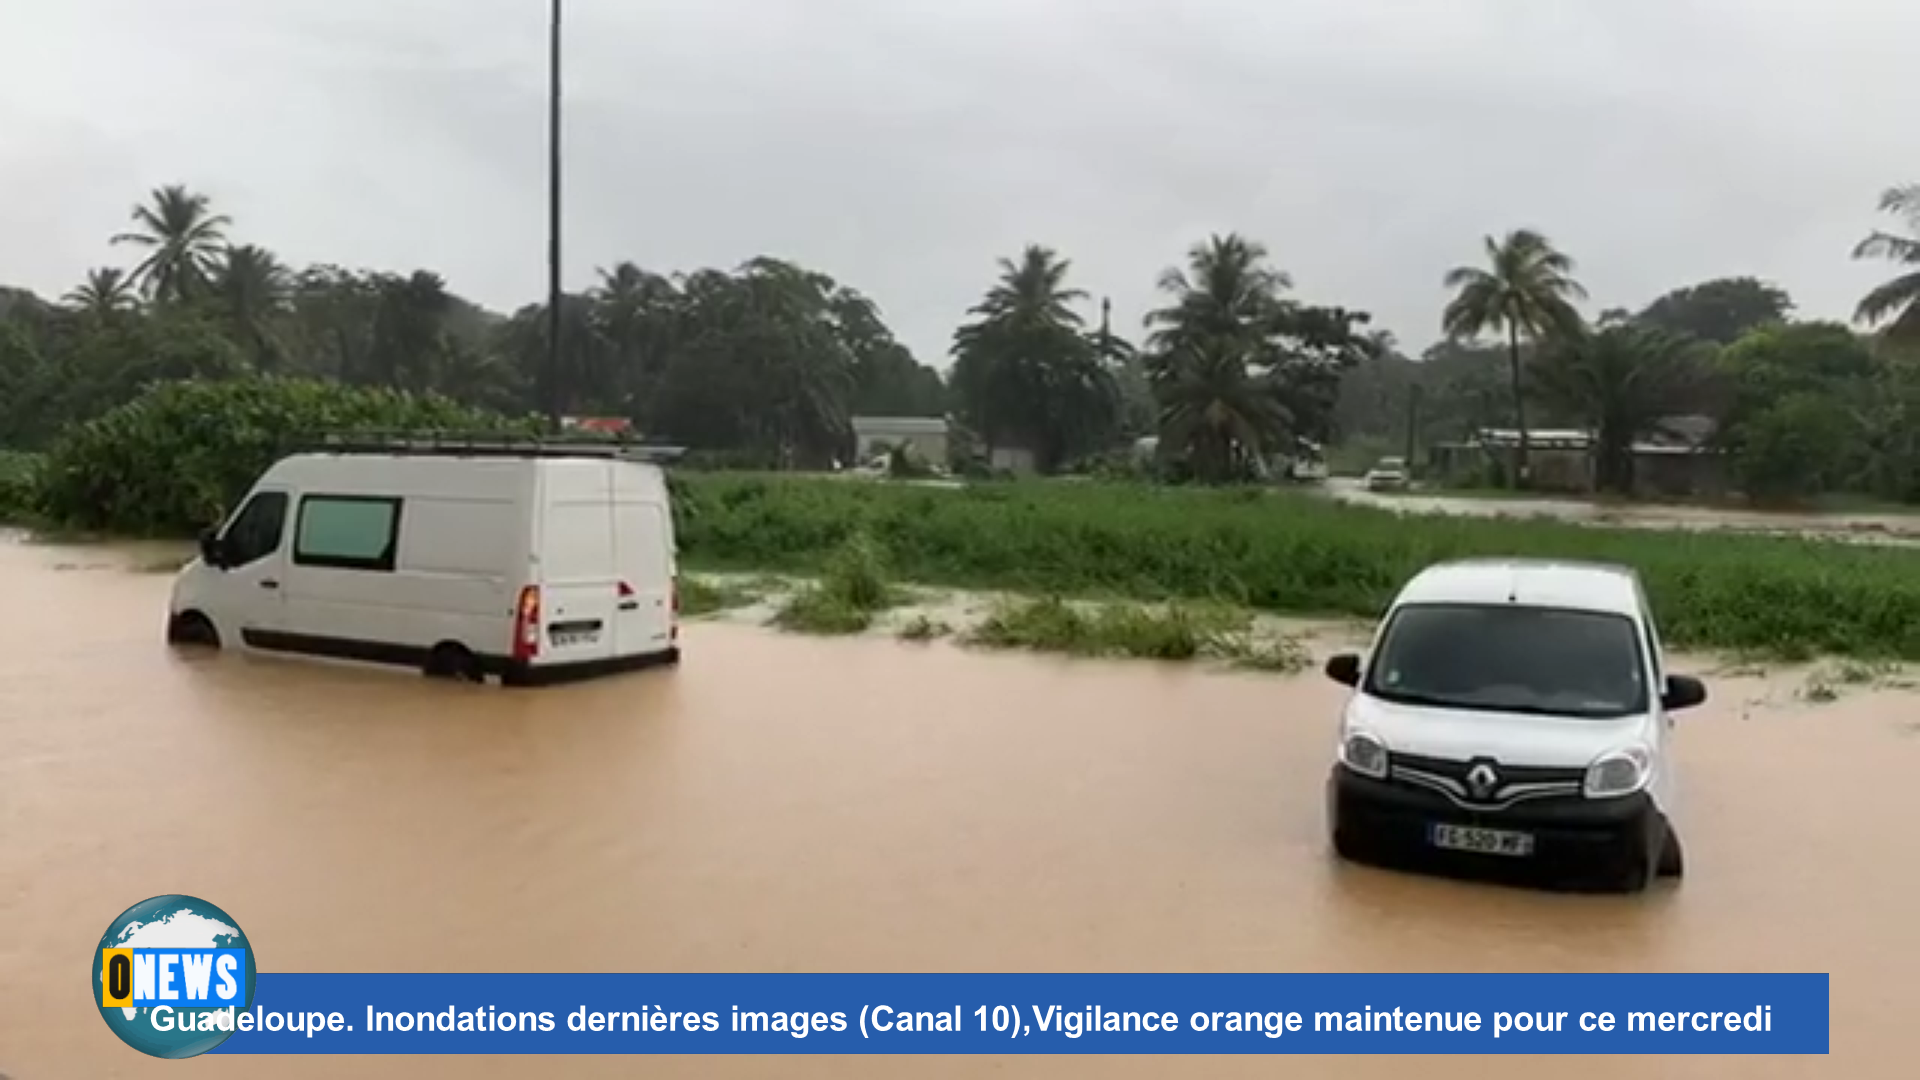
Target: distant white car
x,y
1513,711
1389,474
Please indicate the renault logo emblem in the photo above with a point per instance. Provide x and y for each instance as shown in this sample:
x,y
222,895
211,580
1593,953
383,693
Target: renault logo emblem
x,y
1482,780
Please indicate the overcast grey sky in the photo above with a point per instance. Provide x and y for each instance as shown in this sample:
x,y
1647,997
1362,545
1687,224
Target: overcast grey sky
x,y
904,145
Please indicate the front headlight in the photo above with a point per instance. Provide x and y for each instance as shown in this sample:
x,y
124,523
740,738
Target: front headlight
x,y
1621,772
1364,754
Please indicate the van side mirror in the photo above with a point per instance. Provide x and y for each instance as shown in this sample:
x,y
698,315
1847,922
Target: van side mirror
x,y
1344,668
1683,692
210,549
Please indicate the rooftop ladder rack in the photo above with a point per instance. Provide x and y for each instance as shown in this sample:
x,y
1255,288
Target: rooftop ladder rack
x,y
461,444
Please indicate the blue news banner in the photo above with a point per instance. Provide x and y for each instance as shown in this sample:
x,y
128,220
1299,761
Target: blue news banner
x,y
1035,1014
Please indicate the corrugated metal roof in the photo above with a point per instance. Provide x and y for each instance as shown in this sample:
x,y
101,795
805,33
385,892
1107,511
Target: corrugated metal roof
x,y
899,425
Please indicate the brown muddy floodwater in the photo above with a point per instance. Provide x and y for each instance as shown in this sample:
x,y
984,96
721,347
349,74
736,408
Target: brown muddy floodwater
x,y
790,804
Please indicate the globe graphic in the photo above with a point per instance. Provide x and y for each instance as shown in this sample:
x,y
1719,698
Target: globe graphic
x,y
181,922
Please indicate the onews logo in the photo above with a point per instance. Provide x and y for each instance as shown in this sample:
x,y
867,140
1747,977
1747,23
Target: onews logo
x,y
171,974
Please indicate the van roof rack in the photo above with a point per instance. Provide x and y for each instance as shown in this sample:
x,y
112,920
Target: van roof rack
x,y
490,444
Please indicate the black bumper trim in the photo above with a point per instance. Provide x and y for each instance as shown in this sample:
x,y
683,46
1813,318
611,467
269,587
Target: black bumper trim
x,y
1574,838
509,671
523,675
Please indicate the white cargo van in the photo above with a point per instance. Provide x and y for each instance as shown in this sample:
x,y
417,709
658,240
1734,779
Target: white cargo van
x,y
525,561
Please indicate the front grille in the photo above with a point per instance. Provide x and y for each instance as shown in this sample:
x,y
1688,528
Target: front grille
x,y
1512,783
1509,774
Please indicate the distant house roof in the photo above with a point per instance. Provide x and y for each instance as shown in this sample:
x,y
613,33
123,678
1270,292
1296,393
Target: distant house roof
x,y
1676,432
1690,430
899,425
1567,438
608,425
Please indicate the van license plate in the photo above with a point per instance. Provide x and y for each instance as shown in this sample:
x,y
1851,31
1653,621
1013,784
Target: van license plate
x,y
1482,841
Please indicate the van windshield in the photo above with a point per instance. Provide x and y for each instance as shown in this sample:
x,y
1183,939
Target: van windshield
x,y
1508,658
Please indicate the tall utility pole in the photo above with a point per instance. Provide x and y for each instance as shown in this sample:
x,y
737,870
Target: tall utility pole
x,y
1413,424
551,382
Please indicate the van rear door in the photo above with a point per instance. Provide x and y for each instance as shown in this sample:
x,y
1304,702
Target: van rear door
x,y
644,620
577,567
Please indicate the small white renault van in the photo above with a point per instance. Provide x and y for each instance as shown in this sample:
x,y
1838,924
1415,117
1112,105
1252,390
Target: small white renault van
x,y
524,561
1513,711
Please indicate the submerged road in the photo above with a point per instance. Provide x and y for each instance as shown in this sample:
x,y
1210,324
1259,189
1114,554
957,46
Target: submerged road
x,y
790,804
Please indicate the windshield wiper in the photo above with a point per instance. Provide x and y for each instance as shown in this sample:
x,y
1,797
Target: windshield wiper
x,y
1401,697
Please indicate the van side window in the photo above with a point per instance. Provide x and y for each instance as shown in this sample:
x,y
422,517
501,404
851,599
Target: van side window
x,y
256,530
347,532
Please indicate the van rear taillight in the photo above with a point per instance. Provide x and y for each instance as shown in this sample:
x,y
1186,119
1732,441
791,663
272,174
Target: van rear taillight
x,y
675,631
526,624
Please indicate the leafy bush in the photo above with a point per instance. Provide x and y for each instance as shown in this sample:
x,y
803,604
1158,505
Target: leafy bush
x,y
852,590
1179,631
700,596
1051,624
174,459
922,628
903,463
815,610
19,486
1294,553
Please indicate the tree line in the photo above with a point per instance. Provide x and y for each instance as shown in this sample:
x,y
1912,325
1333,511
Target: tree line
x,y
1800,407
764,365
761,365
765,361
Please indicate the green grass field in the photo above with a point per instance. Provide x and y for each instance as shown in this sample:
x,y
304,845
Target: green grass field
x,y
1290,553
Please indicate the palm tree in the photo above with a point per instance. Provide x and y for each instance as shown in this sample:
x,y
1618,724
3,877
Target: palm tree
x,y
1621,381
769,329
1212,357
1527,290
635,311
409,341
1031,293
333,313
758,369
1026,372
183,239
255,288
1227,295
105,293
1899,298
1218,413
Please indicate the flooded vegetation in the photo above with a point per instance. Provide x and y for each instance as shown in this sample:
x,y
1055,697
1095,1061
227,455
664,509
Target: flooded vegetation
x,y
1887,529
788,801
1292,555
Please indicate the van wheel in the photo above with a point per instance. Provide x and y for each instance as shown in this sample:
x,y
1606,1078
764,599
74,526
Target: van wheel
x,y
451,660
1673,863
192,628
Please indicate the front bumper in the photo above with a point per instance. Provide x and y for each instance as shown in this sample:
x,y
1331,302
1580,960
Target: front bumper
x,y
1580,839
